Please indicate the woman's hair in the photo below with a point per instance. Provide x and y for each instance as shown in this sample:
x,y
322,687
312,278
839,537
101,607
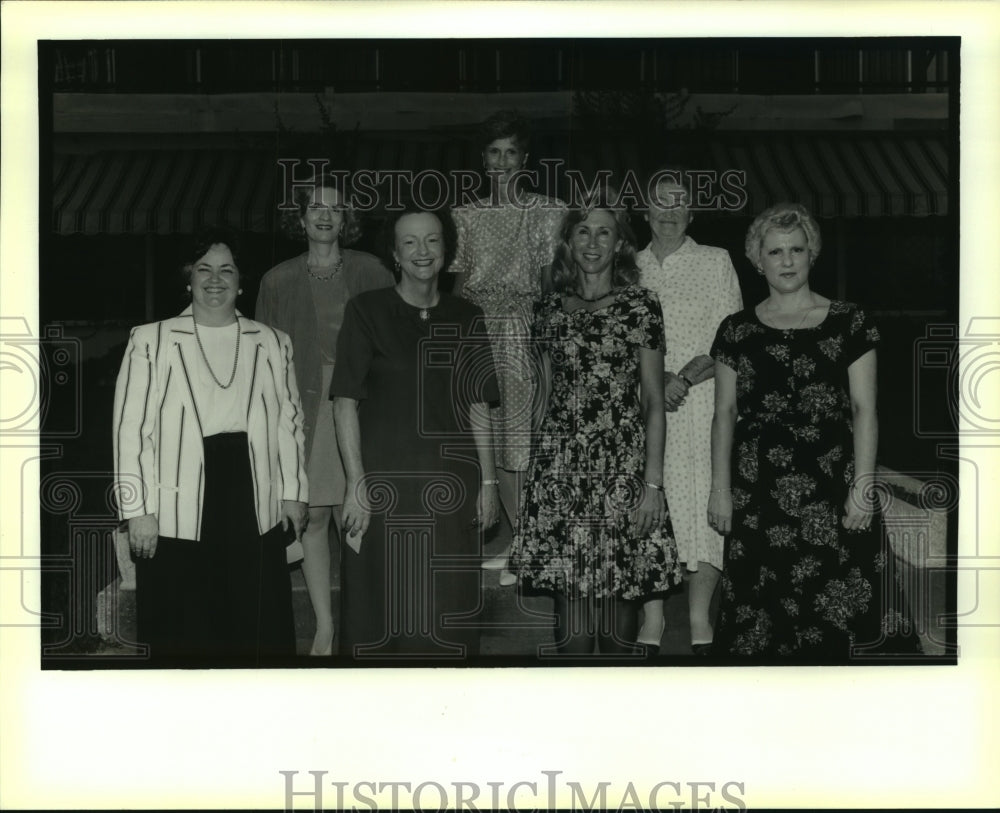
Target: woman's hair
x,y
505,124
302,195
784,217
625,271
669,173
198,246
387,241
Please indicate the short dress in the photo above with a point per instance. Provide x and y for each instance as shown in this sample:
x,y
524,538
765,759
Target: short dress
x,y
585,478
501,249
794,581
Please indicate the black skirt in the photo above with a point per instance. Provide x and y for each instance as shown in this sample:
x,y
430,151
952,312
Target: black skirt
x,y
226,599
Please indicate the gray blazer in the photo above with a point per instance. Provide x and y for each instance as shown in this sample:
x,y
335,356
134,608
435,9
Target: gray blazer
x,y
285,302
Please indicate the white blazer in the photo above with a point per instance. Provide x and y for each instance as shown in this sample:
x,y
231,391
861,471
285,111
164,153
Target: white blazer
x,y
159,454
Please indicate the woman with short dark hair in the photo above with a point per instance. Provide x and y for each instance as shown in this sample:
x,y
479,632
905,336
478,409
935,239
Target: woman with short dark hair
x,y
505,244
411,393
209,466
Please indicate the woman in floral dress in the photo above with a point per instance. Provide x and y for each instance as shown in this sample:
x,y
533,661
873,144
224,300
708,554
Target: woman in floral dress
x,y
594,527
807,573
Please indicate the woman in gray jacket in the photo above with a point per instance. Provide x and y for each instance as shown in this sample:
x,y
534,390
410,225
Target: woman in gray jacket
x,y
305,298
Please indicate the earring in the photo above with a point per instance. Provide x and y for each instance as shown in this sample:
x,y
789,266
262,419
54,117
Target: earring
x,y
189,289
399,268
239,291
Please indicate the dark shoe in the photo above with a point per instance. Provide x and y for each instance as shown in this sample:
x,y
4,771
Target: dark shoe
x,y
701,650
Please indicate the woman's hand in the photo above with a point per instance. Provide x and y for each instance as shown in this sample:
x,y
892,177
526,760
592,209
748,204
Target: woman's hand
x,y
488,506
674,391
858,511
143,532
651,511
720,511
357,513
296,514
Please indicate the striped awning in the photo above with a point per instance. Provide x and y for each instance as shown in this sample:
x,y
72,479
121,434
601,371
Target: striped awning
x,y
876,175
163,191
179,191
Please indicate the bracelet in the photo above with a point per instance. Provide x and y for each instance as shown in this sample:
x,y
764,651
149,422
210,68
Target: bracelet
x,y
685,379
491,482
653,485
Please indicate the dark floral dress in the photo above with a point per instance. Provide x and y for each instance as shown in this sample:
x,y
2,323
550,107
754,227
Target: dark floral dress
x,y
585,476
794,581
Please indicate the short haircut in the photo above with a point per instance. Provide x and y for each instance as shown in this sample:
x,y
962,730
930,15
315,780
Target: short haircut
x,y
784,217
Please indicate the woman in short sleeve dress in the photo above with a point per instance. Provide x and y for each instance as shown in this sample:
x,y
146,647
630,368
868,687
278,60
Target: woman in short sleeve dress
x,y
594,527
505,246
807,572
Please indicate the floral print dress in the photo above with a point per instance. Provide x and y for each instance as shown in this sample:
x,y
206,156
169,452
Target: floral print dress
x,y
585,476
794,581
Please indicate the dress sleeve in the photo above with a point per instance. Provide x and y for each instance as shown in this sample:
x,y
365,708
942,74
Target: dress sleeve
x,y
548,218
462,264
647,329
862,334
724,347
730,296
541,330
266,308
355,351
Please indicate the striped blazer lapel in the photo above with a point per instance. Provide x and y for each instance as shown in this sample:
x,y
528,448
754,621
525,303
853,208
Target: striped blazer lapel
x,y
182,353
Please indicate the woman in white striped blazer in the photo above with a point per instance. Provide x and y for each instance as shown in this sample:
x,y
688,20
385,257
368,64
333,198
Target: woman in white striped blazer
x,y
210,472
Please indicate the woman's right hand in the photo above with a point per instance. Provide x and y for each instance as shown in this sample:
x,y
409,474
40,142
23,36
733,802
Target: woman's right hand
x,y
720,511
357,513
142,535
674,391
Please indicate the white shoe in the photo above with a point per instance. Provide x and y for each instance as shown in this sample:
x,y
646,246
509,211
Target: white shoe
x,y
507,578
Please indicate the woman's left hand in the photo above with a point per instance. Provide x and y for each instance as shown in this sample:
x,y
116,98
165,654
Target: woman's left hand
x,y
653,508
488,506
858,511
296,514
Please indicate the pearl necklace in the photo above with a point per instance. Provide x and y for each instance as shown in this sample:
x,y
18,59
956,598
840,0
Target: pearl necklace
x,y
236,356
336,269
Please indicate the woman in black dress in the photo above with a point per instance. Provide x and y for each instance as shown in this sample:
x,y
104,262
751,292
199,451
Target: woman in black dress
x,y
411,390
807,572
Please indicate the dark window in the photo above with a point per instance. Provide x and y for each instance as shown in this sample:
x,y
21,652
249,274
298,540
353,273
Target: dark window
x,y
605,66
427,65
701,70
776,66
